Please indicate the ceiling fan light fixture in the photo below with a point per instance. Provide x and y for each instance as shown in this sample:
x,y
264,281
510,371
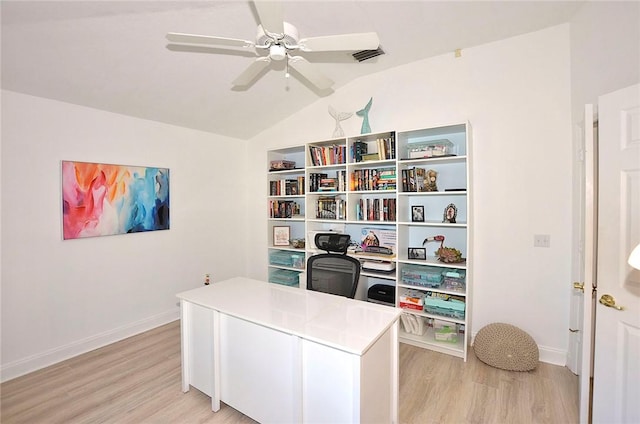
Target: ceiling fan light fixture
x,y
277,52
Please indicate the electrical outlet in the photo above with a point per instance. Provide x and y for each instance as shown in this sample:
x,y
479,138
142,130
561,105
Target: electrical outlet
x,y
541,240
207,279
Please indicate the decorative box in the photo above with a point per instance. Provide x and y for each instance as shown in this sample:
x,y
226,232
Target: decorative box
x,y
412,299
454,280
444,305
423,276
277,165
429,149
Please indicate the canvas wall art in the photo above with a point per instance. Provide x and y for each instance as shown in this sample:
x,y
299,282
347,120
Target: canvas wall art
x,y
101,199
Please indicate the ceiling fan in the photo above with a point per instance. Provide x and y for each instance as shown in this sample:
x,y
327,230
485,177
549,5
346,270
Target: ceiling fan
x,y
278,40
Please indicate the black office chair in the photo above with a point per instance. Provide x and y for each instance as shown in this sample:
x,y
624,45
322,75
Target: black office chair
x,y
334,273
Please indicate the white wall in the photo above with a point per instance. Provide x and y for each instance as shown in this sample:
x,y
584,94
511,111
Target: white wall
x,y
605,51
61,298
516,95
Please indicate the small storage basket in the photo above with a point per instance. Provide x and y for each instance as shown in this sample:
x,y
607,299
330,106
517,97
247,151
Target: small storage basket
x,y
285,277
291,259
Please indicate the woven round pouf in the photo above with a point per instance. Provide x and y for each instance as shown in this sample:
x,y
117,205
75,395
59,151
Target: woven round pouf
x,y
507,347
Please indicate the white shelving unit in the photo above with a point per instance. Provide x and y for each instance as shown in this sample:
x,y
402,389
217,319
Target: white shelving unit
x,y
286,209
451,281
348,191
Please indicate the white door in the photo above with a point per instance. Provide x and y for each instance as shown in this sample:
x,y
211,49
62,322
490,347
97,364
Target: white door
x,y
589,221
616,372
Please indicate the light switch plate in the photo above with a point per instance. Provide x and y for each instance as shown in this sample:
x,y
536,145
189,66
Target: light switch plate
x,y
541,240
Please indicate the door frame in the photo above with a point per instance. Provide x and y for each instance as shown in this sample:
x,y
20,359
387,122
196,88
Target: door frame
x,y
589,263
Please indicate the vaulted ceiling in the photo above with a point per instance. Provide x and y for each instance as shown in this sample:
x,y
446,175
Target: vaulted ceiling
x,y
113,55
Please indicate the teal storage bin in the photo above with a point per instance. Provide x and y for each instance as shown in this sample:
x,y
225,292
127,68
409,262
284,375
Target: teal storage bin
x,y
284,258
285,277
423,276
444,305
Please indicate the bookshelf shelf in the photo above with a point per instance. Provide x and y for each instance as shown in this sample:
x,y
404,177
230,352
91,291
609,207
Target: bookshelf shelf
x,y
370,184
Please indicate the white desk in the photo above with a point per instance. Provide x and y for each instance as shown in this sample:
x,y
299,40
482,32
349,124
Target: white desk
x,y
285,355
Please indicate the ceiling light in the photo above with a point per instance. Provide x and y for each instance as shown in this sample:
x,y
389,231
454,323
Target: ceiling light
x,y
277,52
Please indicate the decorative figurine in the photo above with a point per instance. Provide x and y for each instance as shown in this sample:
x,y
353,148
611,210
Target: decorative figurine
x,y
450,213
431,181
339,116
445,254
366,128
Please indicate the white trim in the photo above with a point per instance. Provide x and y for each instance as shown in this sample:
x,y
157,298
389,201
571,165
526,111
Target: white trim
x,y
33,363
552,356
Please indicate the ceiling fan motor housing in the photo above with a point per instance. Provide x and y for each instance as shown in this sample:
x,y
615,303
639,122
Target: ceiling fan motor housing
x,y
289,38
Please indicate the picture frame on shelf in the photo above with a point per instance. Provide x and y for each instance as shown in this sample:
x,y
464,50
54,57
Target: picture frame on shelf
x,y
281,235
450,214
417,213
419,253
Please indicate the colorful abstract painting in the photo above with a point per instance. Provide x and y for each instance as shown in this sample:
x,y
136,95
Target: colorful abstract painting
x,y
100,199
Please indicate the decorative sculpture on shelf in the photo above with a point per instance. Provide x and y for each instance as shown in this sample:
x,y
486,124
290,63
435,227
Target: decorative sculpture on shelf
x,y
445,254
339,116
366,128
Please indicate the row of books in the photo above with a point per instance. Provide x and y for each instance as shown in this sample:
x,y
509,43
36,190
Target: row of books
x,y
385,148
319,182
331,207
328,155
414,179
287,187
283,208
373,179
376,210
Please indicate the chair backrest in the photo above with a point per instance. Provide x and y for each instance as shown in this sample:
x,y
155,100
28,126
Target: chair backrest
x,y
333,273
332,242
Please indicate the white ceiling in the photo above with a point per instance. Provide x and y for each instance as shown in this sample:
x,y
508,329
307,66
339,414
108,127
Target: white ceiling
x,y
113,55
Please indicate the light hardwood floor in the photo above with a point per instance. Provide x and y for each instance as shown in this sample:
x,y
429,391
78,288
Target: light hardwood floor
x,y
137,380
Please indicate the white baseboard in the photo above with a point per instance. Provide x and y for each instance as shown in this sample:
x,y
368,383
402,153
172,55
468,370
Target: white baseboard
x,y
35,362
553,356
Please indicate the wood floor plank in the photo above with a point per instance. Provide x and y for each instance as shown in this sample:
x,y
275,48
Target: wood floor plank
x,y
138,380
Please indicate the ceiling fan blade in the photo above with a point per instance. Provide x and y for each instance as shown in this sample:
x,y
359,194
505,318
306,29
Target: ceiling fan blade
x,y
344,42
306,69
252,71
177,37
270,14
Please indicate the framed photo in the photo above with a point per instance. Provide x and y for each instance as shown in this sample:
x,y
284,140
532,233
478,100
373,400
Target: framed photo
x,y
450,214
417,213
281,235
417,253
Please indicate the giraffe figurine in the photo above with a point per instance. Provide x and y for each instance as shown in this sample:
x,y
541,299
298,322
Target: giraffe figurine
x,y
366,128
339,116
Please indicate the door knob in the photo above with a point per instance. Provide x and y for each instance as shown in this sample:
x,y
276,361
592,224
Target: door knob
x,y
609,301
578,286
